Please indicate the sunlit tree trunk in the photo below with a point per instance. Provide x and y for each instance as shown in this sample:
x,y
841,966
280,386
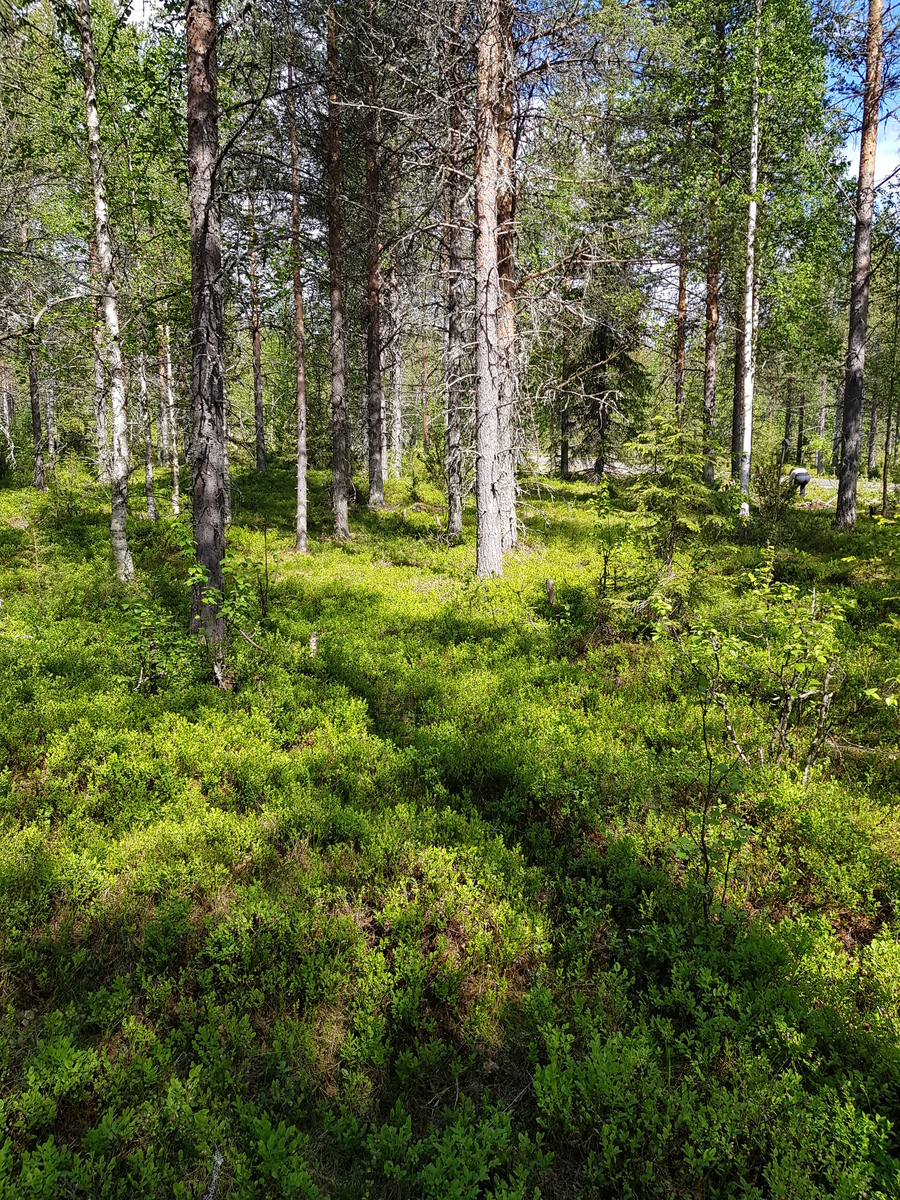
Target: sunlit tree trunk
x,y
506,267
119,455
801,431
488,501
259,421
163,426
340,411
207,374
101,412
750,278
713,270
859,289
300,524
396,367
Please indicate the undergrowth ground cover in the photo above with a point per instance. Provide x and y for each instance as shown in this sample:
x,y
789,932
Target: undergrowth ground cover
x,y
462,889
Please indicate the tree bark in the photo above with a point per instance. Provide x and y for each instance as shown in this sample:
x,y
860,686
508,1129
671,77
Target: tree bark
x,y
393,287
300,524
373,290
681,336
750,277
50,415
163,426
38,476
564,441
119,453
101,411
711,341
889,415
6,415
167,404
845,516
259,422
871,443
207,373
737,403
820,428
340,410
148,438
506,267
801,417
838,439
489,513
455,284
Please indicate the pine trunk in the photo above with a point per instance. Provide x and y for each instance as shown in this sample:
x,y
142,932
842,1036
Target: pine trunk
x,y
38,477
300,530
340,411
890,418
801,431
7,414
681,337
820,428
119,453
373,295
859,290
393,285
207,374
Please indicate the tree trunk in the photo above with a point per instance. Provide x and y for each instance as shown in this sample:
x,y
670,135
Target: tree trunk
x,y
801,417
455,283
119,455
38,477
564,441
163,425
424,389
681,336
871,443
6,415
373,291
750,278
489,513
859,291
340,410
711,341
737,403
148,438
889,415
167,404
300,530
393,287
101,412
838,439
259,422
820,428
50,414
207,374
506,266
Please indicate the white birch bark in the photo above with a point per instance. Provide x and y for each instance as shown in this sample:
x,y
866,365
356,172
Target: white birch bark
x,y
148,438
118,455
749,276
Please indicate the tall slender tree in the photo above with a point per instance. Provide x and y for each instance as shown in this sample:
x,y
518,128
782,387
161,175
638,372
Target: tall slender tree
x,y
340,408
207,318
119,465
859,290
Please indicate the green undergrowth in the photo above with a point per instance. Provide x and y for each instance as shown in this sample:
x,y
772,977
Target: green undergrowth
x,y
448,895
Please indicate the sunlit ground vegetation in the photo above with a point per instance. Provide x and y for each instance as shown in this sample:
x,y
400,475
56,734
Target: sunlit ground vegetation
x,y
464,888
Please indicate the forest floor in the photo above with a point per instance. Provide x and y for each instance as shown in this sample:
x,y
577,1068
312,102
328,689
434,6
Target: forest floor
x,y
488,896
